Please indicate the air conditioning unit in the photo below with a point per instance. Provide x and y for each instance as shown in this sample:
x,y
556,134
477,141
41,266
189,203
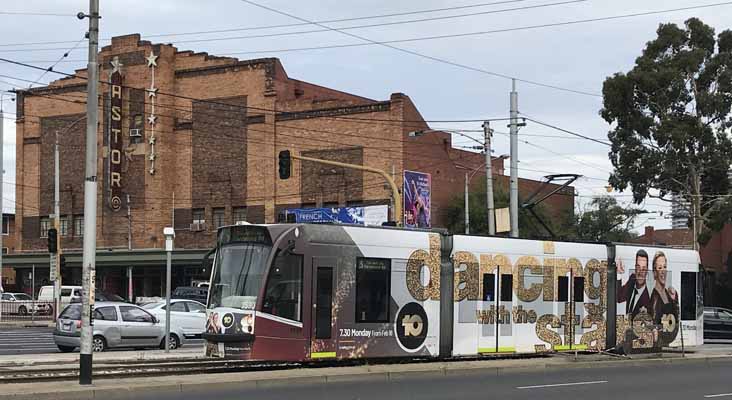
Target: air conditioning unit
x,y
135,133
198,226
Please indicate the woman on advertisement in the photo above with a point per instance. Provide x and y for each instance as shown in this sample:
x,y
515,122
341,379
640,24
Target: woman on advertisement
x,y
664,302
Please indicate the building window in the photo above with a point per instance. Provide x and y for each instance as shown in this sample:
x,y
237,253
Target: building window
x,y
372,289
239,214
45,226
79,225
199,216
63,226
6,225
218,217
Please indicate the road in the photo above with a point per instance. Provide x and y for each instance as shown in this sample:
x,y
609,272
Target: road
x,y
39,340
688,380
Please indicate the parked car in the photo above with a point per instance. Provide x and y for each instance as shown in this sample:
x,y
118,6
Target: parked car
x,y
115,325
188,315
717,323
105,296
20,304
199,294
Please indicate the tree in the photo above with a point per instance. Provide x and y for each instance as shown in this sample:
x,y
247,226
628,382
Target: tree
x,y
528,226
606,221
671,116
671,119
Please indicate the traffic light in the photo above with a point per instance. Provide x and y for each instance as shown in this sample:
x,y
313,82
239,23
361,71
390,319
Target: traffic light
x,y
52,240
285,161
62,262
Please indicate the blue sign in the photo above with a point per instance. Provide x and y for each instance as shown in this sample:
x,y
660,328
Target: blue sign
x,y
345,215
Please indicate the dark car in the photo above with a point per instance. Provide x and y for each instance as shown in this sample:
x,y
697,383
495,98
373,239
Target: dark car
x,y
199,294
104,296
717,323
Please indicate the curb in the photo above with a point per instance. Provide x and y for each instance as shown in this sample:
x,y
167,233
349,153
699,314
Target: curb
x,y
335,375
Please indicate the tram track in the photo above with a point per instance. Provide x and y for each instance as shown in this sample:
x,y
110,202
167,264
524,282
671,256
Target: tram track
x,y
138,369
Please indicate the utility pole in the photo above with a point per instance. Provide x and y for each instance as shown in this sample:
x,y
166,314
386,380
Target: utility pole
x,y
129,248
467,206
90,197
513,203
2,212
57,223
487,133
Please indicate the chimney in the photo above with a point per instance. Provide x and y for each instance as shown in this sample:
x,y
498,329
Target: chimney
x,y
650,235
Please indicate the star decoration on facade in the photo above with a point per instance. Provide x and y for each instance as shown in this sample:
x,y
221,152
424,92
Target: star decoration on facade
x,y
152,171
152,119
152,157
152,92
152,140
152,60
116,65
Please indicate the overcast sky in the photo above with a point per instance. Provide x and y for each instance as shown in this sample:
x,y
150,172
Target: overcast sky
x,y
578,56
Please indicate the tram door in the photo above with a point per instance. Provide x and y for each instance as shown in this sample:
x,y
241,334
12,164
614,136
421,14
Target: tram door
x,y
323,336
498,293
570,297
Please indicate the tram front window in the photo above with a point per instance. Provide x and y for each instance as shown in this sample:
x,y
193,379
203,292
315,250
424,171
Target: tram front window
x,y
238,275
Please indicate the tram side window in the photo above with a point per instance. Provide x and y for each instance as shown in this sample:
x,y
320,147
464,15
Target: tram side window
x,y
372,289
506,287
283,296
688,296
489,287
563,288
579,289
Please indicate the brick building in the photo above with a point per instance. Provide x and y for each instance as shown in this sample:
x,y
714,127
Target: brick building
x,y
191,140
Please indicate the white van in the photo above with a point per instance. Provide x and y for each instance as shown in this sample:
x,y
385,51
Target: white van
x,y
69,294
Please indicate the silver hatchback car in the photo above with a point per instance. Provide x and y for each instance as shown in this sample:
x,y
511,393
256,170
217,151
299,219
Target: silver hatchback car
x,y
114,325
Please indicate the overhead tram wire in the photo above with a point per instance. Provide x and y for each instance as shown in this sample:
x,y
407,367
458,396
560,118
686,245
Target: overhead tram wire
x,y
36,14
565,130
387,43
265,110
66,54
375,25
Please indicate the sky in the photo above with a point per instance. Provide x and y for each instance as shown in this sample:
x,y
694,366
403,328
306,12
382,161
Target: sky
x,y
574,56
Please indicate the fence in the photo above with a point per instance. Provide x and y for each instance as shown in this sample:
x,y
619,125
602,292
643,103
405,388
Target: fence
x,y
25,311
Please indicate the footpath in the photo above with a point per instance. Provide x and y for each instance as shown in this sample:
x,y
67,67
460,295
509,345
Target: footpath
x,y
130,388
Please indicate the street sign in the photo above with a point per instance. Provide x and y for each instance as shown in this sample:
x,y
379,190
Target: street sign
x,y
503,220
54,270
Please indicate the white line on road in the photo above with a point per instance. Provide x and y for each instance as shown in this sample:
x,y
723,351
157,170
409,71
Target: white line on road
x,y
718,395
561,384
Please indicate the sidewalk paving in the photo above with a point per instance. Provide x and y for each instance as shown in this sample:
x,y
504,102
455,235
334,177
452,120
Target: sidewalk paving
x,y
127,388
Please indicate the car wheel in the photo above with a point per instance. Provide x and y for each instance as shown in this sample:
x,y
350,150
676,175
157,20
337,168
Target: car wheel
x,y
173,343
22,310
99,344
66,349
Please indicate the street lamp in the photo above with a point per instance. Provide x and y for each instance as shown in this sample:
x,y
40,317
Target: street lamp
x,y
485,146
169,234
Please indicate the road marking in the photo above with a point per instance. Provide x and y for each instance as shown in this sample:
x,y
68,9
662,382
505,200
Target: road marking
x,y
718,395
561,384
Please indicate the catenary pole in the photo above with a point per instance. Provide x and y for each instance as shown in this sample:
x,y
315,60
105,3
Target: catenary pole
x,y
57,222
513,203
489,177
2,215
90,197
467,206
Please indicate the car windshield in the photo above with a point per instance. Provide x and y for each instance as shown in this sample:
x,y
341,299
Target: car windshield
x,y
22,296
150,306
238,275
71,312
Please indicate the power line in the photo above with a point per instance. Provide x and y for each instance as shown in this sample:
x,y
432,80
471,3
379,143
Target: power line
x,y
66,54
253,28
36,14
566,131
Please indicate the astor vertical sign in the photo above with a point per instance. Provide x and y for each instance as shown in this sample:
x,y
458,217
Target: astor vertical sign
x,y
115,141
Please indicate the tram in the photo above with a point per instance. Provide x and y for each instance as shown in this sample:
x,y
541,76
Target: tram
x,y
304,292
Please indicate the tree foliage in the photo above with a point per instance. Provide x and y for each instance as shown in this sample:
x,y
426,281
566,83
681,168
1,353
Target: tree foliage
x,y
528,226
606,221
671,119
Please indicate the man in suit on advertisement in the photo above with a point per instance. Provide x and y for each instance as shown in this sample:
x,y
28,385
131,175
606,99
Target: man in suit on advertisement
x,y
635,293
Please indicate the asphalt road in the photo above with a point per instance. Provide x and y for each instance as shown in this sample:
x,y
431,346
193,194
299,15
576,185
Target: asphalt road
x,y
40,341
688,380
